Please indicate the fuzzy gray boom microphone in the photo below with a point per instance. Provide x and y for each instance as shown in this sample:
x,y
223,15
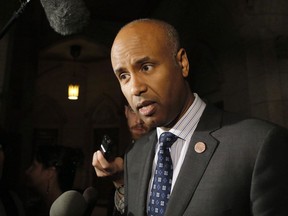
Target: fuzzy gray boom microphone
x,y
70,203
66,17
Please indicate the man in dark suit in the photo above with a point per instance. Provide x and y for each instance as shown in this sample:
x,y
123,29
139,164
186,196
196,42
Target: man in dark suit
x,y
223,164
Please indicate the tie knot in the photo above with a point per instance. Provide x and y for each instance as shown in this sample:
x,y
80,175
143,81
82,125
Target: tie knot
x,y
166,139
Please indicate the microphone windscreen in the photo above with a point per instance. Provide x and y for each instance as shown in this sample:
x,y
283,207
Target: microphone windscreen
x,y
90,194
70,203
66,16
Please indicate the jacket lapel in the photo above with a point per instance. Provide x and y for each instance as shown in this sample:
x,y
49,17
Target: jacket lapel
x,y
194,164
148,154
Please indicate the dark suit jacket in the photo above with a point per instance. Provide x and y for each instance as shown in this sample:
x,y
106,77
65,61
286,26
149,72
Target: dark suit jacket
x,y
242,172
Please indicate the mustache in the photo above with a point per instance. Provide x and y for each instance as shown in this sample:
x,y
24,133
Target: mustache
x,y
138,126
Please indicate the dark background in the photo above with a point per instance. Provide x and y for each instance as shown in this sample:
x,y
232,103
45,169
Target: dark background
x,y
238,53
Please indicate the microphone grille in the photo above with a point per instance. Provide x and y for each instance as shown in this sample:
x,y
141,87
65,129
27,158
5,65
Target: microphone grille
x,y
66,16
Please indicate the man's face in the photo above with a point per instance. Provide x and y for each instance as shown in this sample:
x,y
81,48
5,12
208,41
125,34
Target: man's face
x,y
37,176
136,126
151,78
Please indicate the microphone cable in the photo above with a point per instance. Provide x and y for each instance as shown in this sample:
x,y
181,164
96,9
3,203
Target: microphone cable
x,y
13,18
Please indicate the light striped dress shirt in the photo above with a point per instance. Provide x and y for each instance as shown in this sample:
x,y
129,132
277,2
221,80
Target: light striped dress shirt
x,y
184,129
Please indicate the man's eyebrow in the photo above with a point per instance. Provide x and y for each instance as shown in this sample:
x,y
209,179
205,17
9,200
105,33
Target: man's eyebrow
x,y
137,62
141,60
118,70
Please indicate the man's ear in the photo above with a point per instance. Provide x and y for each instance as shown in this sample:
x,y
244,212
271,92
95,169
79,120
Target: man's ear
x,y
126,111
183,62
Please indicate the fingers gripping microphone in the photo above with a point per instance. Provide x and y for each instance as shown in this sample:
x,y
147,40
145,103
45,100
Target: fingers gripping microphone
x,y
70,203
66,16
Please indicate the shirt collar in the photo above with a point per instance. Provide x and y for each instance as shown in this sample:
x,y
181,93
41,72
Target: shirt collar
x,y
185,126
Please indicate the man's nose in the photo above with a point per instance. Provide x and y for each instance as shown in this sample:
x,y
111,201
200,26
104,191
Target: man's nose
x,y
138,85
139,121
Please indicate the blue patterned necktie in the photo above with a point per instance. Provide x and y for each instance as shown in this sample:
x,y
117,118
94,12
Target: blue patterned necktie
x,y
161,186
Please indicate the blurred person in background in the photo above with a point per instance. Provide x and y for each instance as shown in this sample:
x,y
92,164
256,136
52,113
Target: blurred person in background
x,y
51,173
136,126
10,203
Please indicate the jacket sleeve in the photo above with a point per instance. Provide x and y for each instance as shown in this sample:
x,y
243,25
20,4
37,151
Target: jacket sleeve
x,y
269,188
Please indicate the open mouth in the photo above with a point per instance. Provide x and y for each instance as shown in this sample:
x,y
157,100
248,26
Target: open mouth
x,y
147,108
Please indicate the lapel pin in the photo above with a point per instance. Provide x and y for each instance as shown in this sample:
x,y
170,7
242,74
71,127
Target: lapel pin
x,y
200,147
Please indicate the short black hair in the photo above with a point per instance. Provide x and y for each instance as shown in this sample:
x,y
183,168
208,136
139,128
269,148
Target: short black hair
x,y
64,159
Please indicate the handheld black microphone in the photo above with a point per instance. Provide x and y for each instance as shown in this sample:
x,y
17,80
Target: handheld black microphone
x,y
90,194
66,17
70,203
